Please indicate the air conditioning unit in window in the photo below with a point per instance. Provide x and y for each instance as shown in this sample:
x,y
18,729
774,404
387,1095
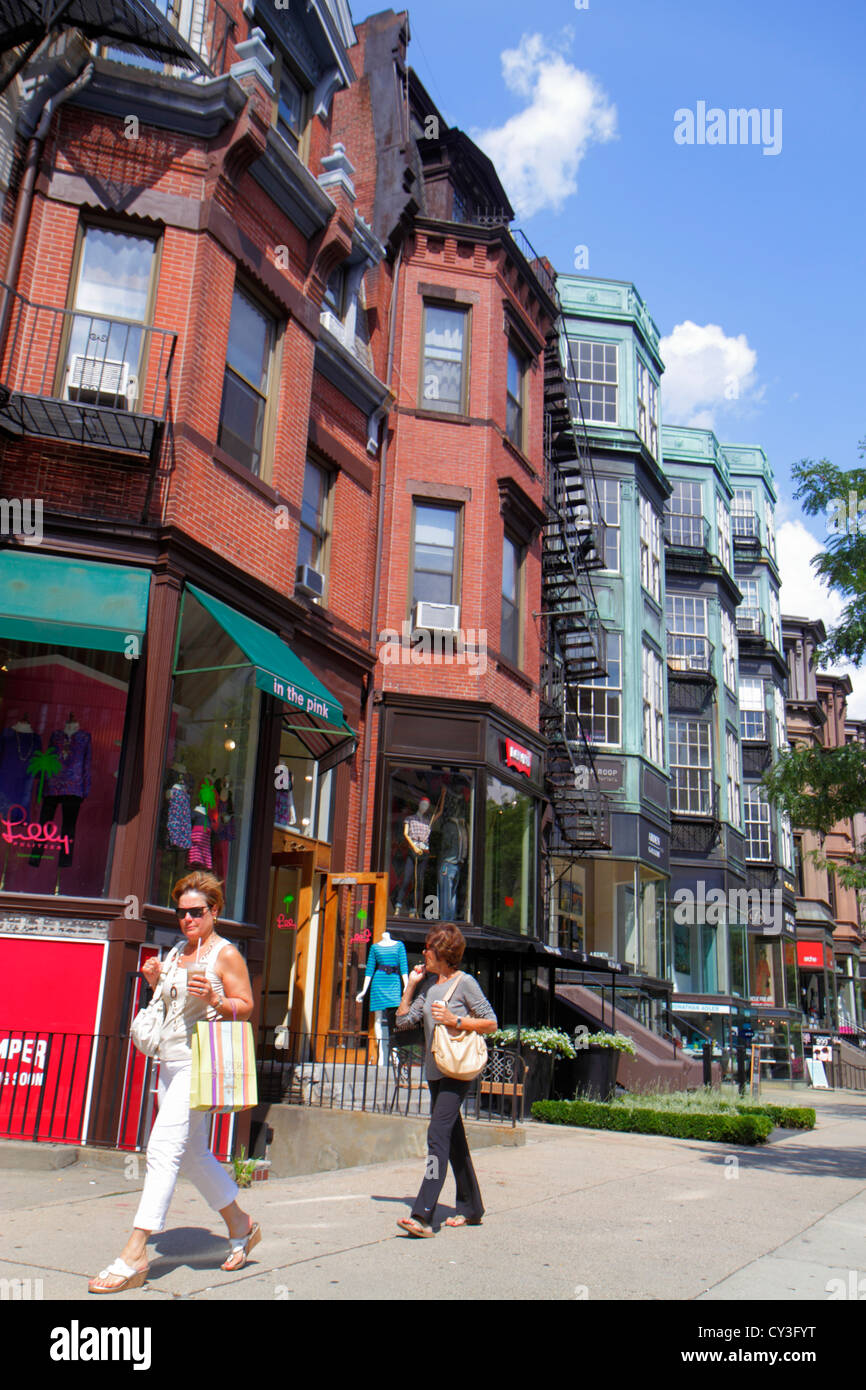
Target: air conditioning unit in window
x,y
437,617
309,581
99,376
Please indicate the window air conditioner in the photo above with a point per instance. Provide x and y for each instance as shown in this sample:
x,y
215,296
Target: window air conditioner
x,y
310,581
437,617
100,376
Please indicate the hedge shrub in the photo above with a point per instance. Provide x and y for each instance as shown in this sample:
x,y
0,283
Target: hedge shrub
x,y
722,1129
785,1116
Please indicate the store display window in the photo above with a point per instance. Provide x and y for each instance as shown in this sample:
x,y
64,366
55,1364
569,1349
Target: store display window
x,y
62,715
765,974
430,843
304,794
509,858
208,783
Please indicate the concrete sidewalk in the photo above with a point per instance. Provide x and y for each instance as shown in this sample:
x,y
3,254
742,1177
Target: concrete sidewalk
x,y
573,1214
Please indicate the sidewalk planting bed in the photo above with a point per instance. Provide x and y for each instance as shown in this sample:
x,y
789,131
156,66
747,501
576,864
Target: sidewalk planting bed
x,y
727,1124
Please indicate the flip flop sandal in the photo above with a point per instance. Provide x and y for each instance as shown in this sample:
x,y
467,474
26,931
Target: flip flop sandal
x,y
242,1245
131,1277
413,1229
462,1221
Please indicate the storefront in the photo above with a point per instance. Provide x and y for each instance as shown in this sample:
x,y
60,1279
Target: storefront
x,y
816,983
460,796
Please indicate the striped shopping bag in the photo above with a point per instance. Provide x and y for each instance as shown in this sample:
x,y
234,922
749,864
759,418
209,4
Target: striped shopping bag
x,y
223,1068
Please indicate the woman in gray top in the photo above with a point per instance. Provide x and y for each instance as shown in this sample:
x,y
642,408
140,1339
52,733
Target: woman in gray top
x,y
446,1138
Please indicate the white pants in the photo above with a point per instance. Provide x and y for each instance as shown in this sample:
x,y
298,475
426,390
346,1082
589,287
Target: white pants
x,y
178,1144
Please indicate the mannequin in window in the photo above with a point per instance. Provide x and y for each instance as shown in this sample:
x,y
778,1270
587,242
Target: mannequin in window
x,y
285,815
225,829
18,744
453,849
417,829
67,787
388,969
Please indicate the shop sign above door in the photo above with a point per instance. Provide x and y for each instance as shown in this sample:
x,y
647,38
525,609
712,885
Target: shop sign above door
x,y
518,757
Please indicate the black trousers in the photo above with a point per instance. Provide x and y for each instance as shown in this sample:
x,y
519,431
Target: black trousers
x,y
70,806
446,1143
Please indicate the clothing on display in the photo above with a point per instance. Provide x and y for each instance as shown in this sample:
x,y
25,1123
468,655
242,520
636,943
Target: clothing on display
x,y
70,807
284,809
18,744
200,846
73,752
179,816
386,965
453,849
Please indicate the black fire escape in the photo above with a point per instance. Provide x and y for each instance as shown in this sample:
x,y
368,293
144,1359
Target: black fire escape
x,y
574,639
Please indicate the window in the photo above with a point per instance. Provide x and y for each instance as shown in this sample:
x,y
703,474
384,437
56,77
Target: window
x,y
431,877
723,523
691,767
753,719
732,758
595,371
647,408
313,533
798,865
770,523
750,617
291,108
252,333
509,858
512,561
434,564
650,548
599,702
446,344
685,515
781,721
787,838
743,519
653,707
608,499
775,621
105,358
515,395
756,816
688,646
335,293
729,650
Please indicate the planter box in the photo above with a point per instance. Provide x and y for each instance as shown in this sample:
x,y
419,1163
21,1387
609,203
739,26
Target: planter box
x,y
538,1081
595,1071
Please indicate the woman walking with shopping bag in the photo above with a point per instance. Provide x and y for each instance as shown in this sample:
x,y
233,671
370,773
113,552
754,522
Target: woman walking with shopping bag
x,y
203,979
448,999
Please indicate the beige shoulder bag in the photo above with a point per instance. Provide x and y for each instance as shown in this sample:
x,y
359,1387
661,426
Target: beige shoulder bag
x,y
461,1055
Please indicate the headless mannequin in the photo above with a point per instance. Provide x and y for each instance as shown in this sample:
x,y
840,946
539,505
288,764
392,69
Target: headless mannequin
x,y
383,1034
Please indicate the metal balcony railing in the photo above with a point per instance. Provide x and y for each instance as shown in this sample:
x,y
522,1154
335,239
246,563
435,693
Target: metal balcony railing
x,y
82,377
754,726
690,654
751,622
205,25
693,794
686,531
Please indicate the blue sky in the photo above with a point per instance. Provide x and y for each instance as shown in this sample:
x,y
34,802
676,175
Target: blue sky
x,y
762,253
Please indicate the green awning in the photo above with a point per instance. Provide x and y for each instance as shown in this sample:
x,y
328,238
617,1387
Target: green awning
x,y
72,603
278,671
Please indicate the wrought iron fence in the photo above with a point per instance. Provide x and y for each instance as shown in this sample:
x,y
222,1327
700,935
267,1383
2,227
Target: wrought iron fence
x,y
352,1071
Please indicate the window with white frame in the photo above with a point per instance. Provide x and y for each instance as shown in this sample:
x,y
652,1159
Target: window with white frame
x,y
688,645
599,701
781,720
608,501
753,719
684,515
650,548
691,763
653,706
743,519
770,523
787,837
775,621
723,523
732,756
594,368
756,824
750,617
729,650
647,408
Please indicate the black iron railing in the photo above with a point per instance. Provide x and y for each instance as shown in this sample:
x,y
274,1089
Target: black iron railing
x,y
746,529
693,794
687,531
354,1071
690,653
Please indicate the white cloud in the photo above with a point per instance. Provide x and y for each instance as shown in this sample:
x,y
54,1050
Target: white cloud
x,y
537,152
803,595
705,371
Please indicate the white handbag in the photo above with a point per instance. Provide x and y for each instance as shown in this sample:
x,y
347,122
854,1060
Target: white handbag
x,y
148,1023
462,1055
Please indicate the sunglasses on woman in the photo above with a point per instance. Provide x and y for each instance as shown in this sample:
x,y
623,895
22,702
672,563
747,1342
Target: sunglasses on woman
x,y
194,912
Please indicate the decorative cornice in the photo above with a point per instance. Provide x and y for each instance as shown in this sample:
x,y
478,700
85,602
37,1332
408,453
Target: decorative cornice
x,y
354,381
523,515
293,188
199,109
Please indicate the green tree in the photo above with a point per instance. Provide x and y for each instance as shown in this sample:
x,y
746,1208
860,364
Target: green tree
x,y
820,786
